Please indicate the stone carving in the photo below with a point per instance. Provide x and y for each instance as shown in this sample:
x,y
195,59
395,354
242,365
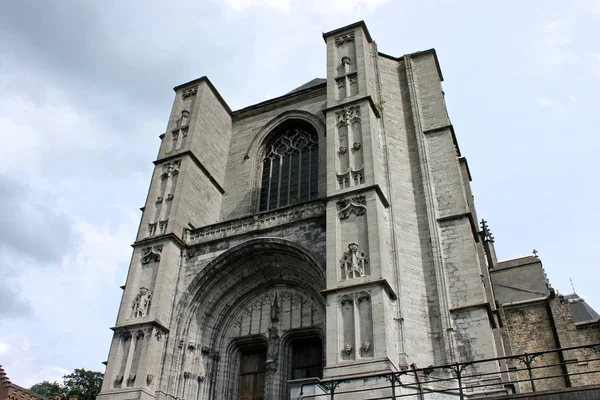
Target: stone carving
x,y
343,179
352,79
119,379
340,40
487,234
356,146
273,339
158,336
189,92
353,262
162,226
348,115
366,346
159,200
131,378
341,83
343,149
200,378
355,205
190,253
191,346
141,303
178,356
358,176
185,115
348,349
346,60
257,222
169,197
149,378
151,254
186,375
205,350
171,168
152,229
285,299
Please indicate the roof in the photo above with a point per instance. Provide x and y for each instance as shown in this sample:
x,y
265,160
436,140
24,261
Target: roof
x,y
581,311
309,84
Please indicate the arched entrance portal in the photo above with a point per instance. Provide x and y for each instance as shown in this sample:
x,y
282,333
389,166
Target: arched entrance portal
x,y
258,318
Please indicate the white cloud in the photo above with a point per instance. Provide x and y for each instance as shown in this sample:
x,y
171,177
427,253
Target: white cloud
x,y
562,108
21,361
239,5
557,36
345,7
542,101
4,347
72,301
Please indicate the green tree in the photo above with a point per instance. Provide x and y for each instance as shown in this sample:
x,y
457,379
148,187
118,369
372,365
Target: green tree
x,y
83,383
47,389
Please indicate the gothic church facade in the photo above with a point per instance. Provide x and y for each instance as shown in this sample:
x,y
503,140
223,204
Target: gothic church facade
x,y
326,233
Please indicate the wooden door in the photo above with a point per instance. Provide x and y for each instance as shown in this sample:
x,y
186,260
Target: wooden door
x,y
252,375
307,358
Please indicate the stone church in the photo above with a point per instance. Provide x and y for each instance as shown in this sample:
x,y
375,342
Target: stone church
x,y
324,234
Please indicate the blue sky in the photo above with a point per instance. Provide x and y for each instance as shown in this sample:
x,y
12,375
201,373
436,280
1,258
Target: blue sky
x,y
85,90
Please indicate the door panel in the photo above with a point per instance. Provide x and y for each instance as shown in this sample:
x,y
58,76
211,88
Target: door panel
x,y
252,375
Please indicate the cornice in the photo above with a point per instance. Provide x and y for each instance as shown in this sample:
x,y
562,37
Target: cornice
x,y
349,103
382,282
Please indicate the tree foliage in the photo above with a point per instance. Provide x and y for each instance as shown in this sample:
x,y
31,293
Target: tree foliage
x,y
47,389
82,383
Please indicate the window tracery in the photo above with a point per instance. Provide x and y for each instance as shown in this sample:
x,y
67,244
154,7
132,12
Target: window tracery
x,y
290,167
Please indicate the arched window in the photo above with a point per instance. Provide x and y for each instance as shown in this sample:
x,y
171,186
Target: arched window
x,y
290,168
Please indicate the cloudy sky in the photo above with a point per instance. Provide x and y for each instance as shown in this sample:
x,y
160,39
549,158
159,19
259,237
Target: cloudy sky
x,y
85,90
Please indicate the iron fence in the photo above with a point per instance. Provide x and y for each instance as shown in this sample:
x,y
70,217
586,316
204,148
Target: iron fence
x,y
529,372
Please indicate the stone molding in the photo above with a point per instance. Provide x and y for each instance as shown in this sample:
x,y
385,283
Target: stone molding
x,y
356,286
257,222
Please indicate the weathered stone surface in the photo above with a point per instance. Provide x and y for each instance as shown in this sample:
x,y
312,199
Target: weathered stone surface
x,y
382,267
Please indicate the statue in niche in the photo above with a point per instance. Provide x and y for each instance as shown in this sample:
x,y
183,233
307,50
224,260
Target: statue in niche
x,y
185,116
273,338
353,262
141,303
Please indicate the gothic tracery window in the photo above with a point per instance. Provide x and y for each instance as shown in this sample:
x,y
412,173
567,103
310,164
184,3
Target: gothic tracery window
x,y
290,166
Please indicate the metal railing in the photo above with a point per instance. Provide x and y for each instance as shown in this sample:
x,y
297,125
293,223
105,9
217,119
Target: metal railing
x,y
528,372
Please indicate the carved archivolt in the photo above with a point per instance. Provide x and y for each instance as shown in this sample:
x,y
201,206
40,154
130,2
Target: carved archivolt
x,y
151,254
340,40
356,205
354,262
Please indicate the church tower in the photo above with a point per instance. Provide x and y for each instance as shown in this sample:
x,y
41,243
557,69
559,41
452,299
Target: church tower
x,y
326,233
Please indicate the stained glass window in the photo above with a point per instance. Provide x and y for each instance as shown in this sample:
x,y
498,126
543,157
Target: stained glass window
x,y
290,166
